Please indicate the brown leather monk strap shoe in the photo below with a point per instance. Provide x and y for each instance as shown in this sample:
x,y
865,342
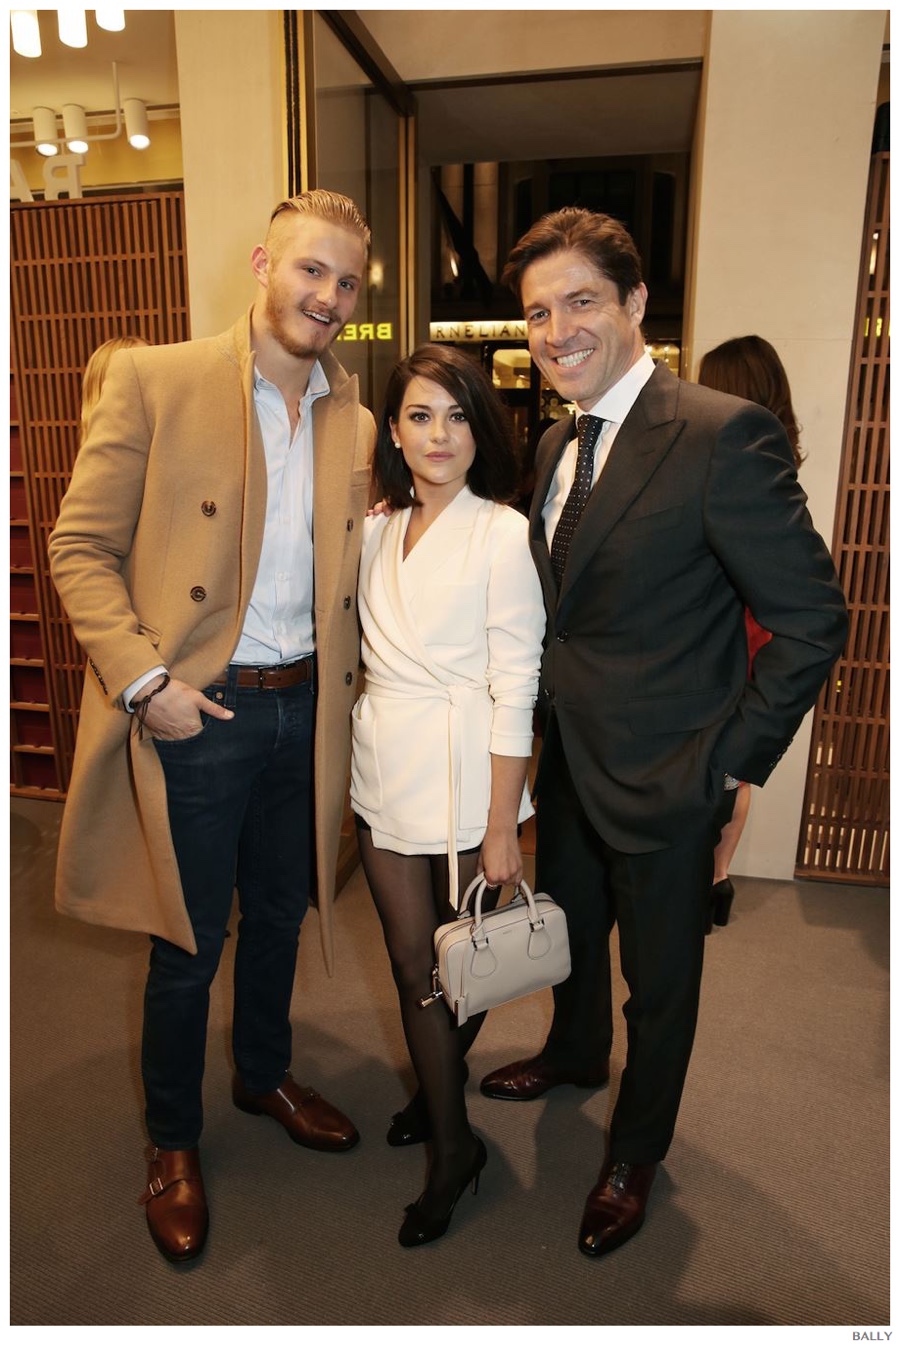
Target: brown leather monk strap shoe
x,y
175,1202
307,1117
529,1078
615,1207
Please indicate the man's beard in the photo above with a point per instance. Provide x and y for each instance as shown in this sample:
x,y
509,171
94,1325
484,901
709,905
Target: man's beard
x,y
277,310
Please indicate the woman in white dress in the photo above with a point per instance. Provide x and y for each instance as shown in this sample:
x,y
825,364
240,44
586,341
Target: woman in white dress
x,y
453,623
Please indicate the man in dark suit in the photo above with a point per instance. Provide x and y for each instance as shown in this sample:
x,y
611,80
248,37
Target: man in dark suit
x,y
676,507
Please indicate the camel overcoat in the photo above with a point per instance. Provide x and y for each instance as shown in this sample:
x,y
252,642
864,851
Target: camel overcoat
x,y
155,556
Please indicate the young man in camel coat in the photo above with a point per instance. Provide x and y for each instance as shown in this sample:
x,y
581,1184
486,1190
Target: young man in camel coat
x,y
222,639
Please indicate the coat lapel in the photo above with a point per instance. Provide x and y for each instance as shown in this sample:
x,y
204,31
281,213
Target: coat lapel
x,y
255,477
335,429
394,613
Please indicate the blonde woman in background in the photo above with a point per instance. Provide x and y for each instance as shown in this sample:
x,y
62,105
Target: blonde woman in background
x,y
95,372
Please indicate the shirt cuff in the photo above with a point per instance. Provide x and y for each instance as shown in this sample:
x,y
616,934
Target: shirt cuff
x,y
137,684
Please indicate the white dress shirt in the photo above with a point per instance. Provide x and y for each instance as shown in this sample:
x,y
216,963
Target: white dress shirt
x,y
279,624
613,408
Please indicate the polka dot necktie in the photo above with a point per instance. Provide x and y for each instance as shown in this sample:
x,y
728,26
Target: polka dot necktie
x,y
589,429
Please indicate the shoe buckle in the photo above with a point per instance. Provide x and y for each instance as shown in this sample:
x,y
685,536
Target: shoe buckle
x,y
153,1188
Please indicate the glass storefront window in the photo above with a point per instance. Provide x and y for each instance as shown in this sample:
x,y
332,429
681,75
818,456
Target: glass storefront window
x,y
667,352
358,154
511,368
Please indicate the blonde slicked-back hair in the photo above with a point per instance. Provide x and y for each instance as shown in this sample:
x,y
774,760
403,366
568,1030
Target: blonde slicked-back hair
x,y
324,205
95,372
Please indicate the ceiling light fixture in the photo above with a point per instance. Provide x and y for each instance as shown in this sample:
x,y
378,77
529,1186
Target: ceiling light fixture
x,y
44,122
109,19
78,137
72,27
26,32
137,128
75,127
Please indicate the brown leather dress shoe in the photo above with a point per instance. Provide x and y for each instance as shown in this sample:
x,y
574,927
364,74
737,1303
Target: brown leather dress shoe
x,y
529,1078
307,1117
615,1207
175,1202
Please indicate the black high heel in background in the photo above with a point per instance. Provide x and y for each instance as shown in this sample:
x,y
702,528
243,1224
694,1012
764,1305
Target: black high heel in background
x,y
417,1228
411,1125
720,897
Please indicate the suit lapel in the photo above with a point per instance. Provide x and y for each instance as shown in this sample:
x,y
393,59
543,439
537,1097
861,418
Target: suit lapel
x,y
642,443
549,454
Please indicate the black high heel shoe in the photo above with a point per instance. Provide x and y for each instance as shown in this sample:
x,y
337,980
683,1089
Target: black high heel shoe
x,y
417,1228
720,897
411,1125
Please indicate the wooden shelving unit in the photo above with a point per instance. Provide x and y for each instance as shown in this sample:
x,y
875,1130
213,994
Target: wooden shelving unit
x,y
845,829
34,771
81,271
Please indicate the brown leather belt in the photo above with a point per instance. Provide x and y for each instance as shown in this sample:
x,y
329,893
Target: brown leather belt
x,y
275,677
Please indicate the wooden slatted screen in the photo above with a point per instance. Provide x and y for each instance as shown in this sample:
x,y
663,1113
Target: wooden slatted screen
x,y
845,827
82,271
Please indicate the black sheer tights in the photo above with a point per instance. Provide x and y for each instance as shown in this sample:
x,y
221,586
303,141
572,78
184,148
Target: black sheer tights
x,y
411,895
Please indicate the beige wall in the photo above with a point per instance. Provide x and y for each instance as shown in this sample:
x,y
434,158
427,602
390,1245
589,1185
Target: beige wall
x,y
231,80
781,166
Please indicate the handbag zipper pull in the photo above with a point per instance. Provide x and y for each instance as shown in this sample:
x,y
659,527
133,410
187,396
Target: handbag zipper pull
x,y
436,991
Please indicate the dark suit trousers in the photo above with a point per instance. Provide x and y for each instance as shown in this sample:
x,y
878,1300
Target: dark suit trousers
x,y
660,903
238,796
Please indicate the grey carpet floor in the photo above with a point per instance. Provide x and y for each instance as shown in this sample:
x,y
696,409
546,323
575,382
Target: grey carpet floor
x,y
771,1210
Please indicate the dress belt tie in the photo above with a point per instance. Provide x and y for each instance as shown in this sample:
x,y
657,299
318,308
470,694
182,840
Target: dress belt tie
x,y
456,696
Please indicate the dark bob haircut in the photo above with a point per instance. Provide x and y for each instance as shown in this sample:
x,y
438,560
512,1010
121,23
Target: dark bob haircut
x,y
602,240
494,472
750,368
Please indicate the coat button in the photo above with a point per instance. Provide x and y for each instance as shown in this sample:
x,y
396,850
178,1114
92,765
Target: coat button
x,y
348,678
198,593
349,526
209,508
347,602
563,636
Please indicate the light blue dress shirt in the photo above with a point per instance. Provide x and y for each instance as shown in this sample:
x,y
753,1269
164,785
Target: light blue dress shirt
x,y
279,625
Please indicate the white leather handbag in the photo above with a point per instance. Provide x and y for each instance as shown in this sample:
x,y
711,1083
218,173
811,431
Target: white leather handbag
x,y
483,960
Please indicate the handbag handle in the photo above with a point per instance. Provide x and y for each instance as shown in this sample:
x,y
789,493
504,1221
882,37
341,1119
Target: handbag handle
x,y
479,886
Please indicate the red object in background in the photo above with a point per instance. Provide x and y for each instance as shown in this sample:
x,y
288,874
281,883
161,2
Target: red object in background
x,y
756,637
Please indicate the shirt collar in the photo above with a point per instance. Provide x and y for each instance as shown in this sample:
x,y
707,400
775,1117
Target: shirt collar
x,y
616,403
317,386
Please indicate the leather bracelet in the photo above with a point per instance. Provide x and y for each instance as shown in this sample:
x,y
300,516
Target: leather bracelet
x,y
140,708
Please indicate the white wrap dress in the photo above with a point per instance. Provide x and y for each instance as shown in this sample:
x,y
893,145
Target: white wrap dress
x,y
451,644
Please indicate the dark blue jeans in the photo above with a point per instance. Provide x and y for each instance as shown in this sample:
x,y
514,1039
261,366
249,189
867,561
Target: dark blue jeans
x,y
240,809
